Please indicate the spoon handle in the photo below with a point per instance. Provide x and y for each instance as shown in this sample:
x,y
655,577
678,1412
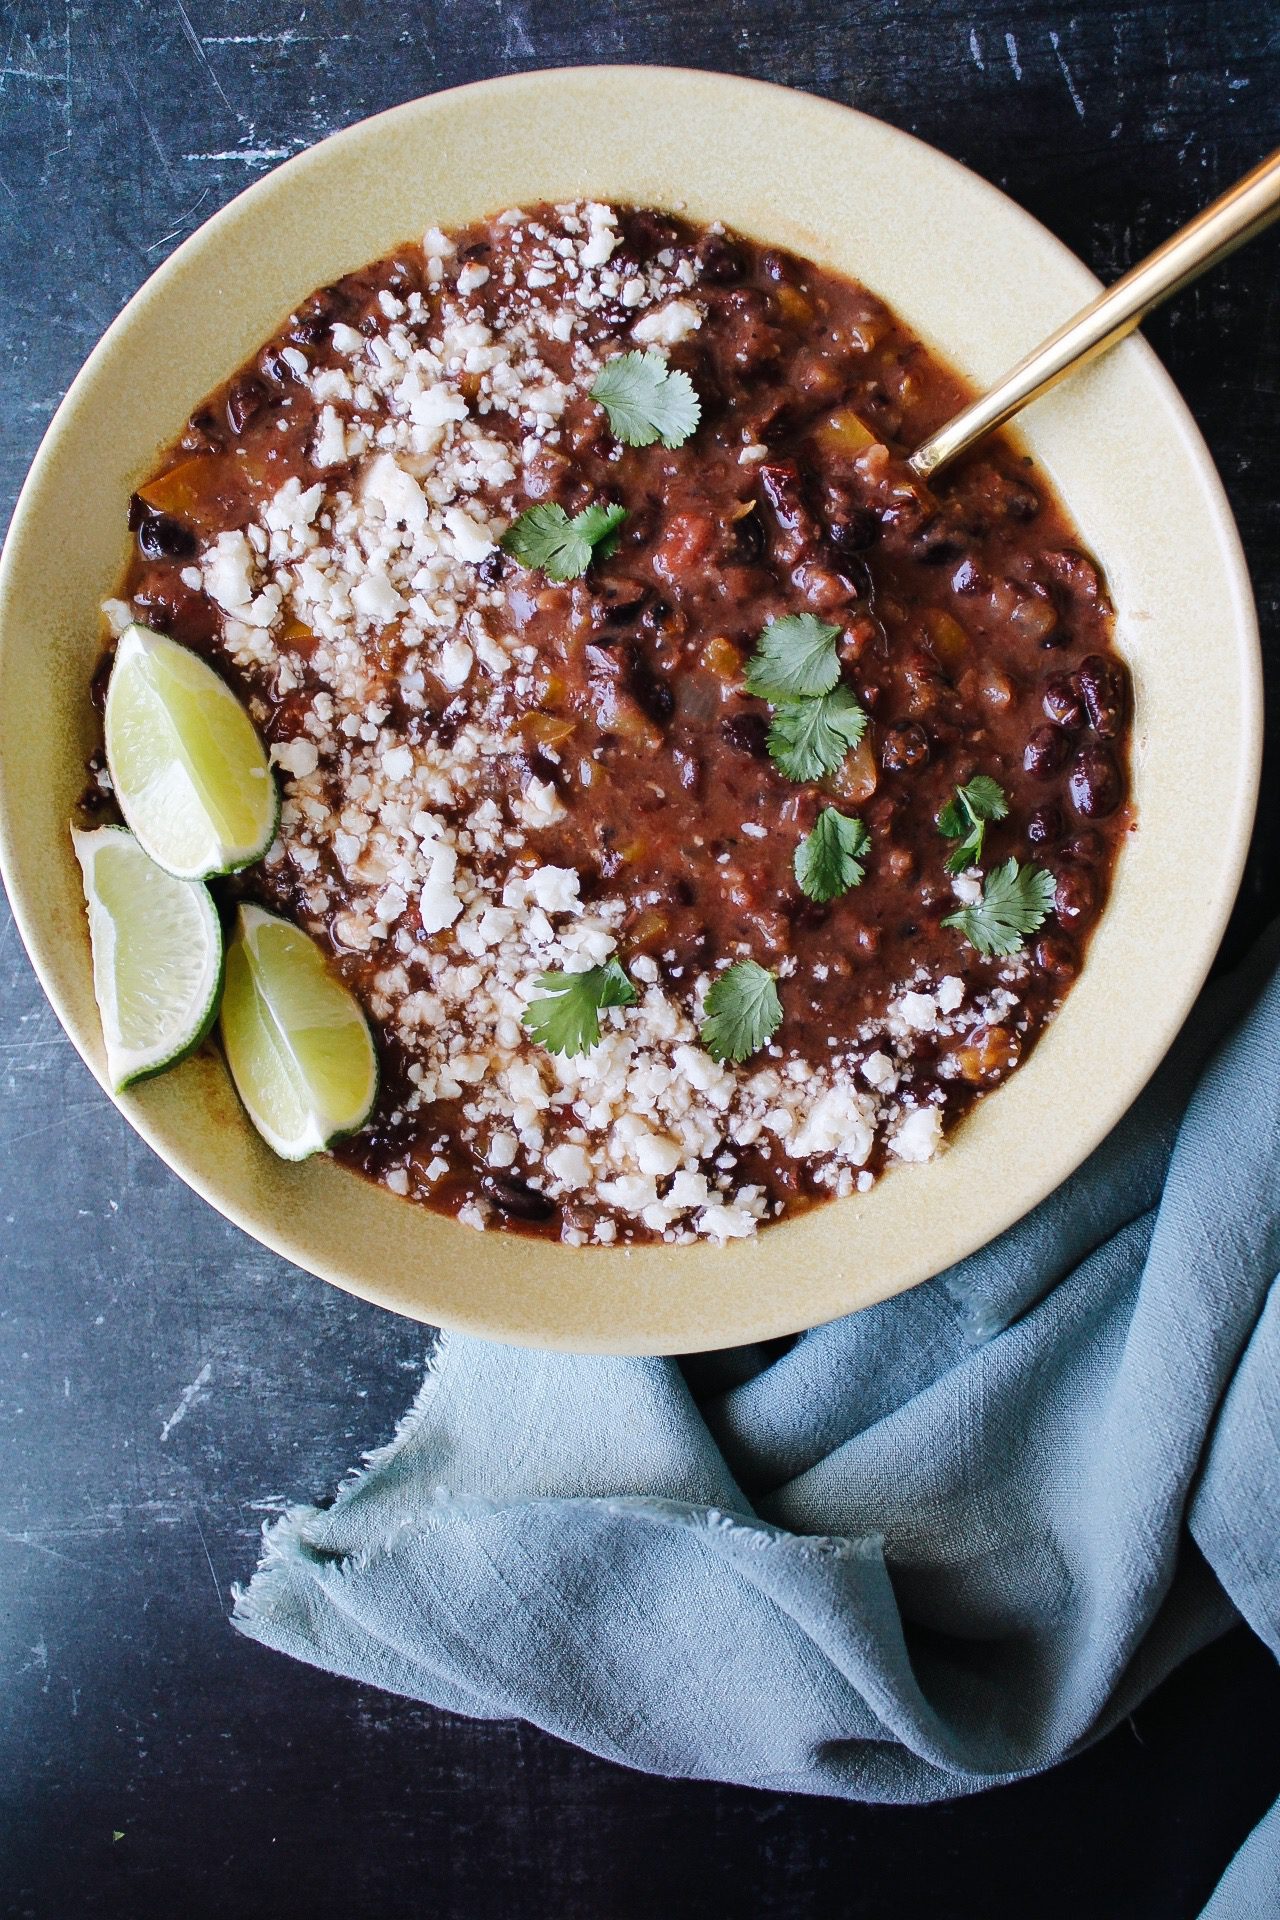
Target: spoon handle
x,y
1242,211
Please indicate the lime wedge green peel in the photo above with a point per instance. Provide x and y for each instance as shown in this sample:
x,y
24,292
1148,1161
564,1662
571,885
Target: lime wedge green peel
x,y
297,1043
157,955
189,771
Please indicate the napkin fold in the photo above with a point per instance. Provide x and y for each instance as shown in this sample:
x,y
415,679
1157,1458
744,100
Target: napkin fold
x,y
933,1547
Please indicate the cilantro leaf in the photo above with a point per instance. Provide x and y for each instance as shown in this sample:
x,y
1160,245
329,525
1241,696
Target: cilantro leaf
x,y
646,400
1015,901
743,1012
546,537
965,818
567,1019
794,655
829,860
809,738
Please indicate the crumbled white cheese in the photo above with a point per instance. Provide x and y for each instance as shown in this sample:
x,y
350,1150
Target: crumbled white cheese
x,y
556,889
456,662
229,571
602,235
399,495
471,541
570,1166
438,903
668,326
919,1011
376,599
919,1135
878,1072
950,994
330,447
298,756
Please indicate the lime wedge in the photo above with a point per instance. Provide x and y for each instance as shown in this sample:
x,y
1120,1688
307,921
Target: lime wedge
x,y
297,1043
188,768
157,955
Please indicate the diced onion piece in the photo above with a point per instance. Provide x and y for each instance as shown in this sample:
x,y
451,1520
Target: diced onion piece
x,y
844,432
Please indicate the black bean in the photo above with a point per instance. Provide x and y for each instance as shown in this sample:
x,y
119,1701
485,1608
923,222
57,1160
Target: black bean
x,y
753,343
1075,893
316,315
309,332
746,733
204,434
936,542
1045,751
856,530
160,537
649,690
490,570
749,535
827,589
967,578
779,267
648,232
273,366
1103,684
903,747
719,260
770,416
619,602
515,1199
1045,825
246,398
1095,786
799,531
656,614
1086,845
1062,703
1054,954
1077,573
1018,501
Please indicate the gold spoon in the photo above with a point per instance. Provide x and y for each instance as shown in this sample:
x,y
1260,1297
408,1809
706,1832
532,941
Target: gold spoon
x,y
1242,211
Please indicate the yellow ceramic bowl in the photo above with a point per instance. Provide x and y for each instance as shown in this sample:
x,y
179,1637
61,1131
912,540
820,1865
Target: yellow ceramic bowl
x,y
981,282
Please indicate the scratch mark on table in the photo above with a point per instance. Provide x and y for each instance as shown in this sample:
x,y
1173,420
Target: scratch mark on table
x,y
38,1663
123,68
38,1546
209,1557
1011,47
1076,101
193,40
189,1396
975,48
250,155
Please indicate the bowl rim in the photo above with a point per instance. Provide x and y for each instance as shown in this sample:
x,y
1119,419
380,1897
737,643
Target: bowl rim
x,y
782,1315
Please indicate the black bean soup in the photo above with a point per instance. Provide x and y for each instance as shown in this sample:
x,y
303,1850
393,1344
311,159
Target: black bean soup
x,y
619,745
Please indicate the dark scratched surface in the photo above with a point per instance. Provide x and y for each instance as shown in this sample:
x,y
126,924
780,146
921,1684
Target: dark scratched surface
x,y
164,1383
